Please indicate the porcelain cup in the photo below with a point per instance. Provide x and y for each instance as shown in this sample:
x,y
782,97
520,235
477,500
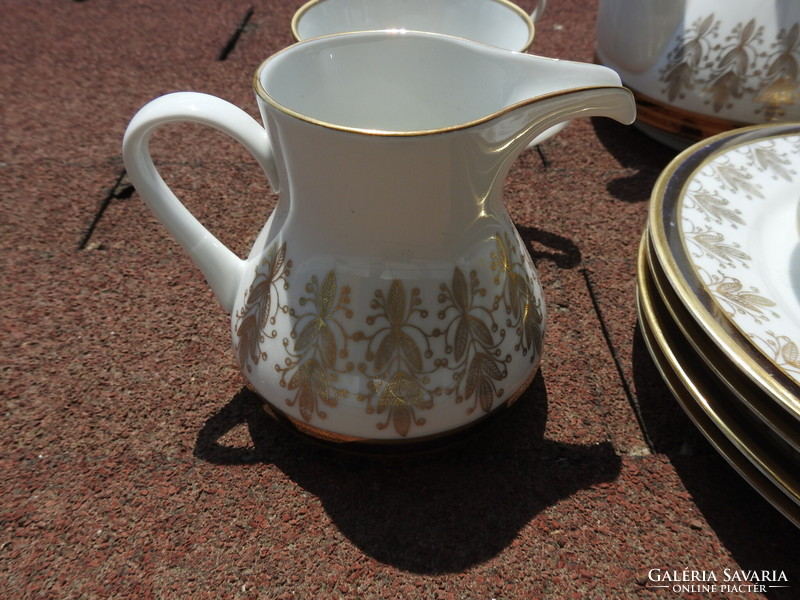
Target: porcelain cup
x,y
700,67
498,23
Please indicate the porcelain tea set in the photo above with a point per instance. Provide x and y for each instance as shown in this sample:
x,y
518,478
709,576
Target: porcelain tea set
x,y
389,297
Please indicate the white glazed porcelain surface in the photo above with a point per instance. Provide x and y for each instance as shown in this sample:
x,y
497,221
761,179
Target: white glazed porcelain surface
x,y
495,22
726,231
732,59
389,296
410,83
499,23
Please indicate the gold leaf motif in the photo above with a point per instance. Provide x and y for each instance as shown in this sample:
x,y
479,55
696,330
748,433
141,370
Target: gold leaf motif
x,y
737,57
780,92
752,301
247,348
387,350
396,305
327,294
486,393
783,350
308,336
482,371
686,57
258,308
400,396
311,366
480,331
747,33
705,26
722,89
473,375
312,383
532,327
742,64
716,207
712,243
410,350
461,339
400,391
737,179
400,352
326,345
490,369
790,43
260,296
476,332
401,418
460,290
396,366
677,79
790,353
306,402
733,289
730,292
502,262
517,293
769,159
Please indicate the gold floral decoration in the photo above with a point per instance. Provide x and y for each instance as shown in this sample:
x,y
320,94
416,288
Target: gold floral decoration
x,y
708,241
261,306
401,347
685,59
737,55
397,377
781,350
738,64
523,309
470,337
318,341
737,298
713,244
779,83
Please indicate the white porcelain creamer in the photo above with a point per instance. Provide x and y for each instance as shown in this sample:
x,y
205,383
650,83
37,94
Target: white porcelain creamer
x,y
388,298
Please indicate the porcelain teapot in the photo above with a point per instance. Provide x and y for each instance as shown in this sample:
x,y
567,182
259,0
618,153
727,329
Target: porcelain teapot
x,y
700,68
388,298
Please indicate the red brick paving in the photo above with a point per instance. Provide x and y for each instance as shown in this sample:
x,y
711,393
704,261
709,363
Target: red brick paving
x,y
135,464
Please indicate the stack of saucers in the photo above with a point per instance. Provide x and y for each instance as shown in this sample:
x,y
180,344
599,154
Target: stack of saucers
x,y
718,297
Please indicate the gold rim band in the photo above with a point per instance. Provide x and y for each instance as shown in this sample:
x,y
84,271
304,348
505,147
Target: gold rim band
x,y
265,96
670,252
759,403
697,393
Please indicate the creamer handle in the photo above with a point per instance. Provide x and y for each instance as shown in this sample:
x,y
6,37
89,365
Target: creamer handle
x,y
220,266
537,12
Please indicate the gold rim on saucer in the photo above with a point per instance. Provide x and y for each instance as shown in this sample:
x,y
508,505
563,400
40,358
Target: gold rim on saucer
x,y
702,397
748,393
670,250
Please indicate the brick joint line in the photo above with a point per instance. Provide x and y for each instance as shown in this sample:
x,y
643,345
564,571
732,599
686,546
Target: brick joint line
x,y
121,190
232,41
607,336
